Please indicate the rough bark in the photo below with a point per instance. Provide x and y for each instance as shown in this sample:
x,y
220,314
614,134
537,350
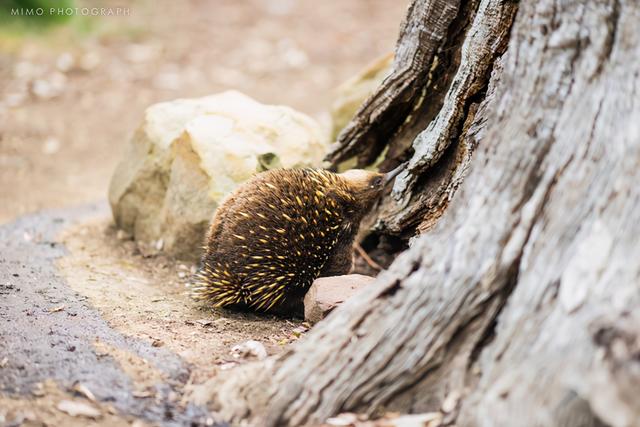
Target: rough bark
x,y
524,298
425,112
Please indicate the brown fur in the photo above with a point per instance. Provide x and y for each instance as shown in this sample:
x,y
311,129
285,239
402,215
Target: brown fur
x,y
278,232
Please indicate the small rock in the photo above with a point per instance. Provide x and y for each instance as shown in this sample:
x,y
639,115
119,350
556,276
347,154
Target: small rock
x,y
157,343
182,274
227,365
278,7
140,53
250,349
64,62
38,390
76,409
51,87
14,99
326,293
167,80
26,70
352,93
89,61
123,235
291,54
51,145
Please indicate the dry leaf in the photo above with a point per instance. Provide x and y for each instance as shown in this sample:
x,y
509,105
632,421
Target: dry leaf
x,y
143,393
83,390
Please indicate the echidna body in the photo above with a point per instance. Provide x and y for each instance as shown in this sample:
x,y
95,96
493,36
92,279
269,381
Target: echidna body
x,y
273,236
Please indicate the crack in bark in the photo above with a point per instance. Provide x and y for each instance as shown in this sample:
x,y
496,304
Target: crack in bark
x,y
471,78
612,20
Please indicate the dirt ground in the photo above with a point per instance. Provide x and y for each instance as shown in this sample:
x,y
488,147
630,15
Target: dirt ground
x,y
148,299
91,331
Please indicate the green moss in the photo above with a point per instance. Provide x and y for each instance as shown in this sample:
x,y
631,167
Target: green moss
x,y
268,161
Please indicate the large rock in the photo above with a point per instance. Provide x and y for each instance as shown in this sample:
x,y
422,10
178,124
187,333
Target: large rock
x,y
326,293
188,154
352,93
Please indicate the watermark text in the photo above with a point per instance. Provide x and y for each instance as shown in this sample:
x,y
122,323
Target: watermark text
x,y
71,11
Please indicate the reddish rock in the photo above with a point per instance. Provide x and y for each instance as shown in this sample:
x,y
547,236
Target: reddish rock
x,y
327,293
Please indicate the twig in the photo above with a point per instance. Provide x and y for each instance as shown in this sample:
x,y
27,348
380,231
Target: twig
x,y
366,257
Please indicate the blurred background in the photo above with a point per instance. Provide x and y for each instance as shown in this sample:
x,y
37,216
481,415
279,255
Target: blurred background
x,y
73,88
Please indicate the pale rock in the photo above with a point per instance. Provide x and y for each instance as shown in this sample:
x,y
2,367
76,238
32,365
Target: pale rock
x,y
140,53
51,145
352,93
326,293
25,70
65,62
76,409
50,87
89,61
189,154
250,349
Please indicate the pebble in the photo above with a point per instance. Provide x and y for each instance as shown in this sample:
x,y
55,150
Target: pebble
x,y
51,145
327,293
76,409
50,87
89,61
65,62
123,235
250,349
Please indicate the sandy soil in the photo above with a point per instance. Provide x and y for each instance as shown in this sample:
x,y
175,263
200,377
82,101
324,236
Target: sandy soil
x,y
70,98
42,409
148,299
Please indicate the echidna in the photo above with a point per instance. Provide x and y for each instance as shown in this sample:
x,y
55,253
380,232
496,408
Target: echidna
x,y
276,233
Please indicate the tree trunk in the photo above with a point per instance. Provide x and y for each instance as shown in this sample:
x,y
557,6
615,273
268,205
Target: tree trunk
x,y
522,302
